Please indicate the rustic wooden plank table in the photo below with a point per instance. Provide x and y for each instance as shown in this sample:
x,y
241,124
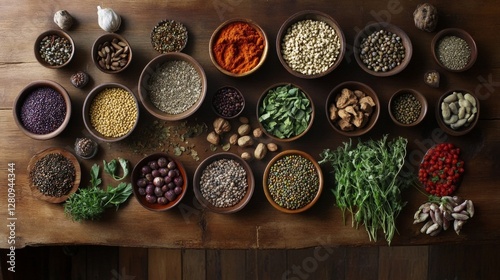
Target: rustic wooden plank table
x,y
258,225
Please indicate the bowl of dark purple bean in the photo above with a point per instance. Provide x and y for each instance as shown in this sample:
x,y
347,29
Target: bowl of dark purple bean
x,y
42,109
228,102
159,182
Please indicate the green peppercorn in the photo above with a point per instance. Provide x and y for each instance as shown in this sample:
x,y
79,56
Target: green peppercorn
x,y
406,108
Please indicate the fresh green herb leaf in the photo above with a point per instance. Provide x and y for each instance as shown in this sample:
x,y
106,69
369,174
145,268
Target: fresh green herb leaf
x,y
94,175
111,168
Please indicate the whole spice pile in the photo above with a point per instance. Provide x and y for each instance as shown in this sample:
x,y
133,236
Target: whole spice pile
x,y
169,36
55,50
382,51
43,111
310,46
406,108
238,47
459,110
293,181
453,52
351,109
228,102
53,175
113,55
223,183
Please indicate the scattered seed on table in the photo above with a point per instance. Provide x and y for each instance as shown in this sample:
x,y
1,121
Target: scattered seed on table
x,y
43,111
53,175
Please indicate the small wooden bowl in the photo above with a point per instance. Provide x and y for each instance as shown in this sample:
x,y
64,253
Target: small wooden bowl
x,y
249,176
25,92
58,33
266,176
173,36
370,29
445,127
268,133
315,16
76,183
100,42
86,112
222,114
151,67
458,33
215,36
353,85
421,99
137,174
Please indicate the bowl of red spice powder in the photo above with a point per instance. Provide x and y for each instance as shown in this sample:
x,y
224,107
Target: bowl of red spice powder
x,y
238,47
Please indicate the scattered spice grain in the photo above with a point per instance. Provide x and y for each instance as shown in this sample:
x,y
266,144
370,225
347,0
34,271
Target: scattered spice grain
x,y
53,175
43,111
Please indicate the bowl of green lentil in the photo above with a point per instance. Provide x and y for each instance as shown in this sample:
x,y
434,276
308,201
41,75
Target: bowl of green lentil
x,y
457,112
54,49
382,49
172,86
293,181
42,109
110,112
454,49
111,53
407,107
223,183
305,54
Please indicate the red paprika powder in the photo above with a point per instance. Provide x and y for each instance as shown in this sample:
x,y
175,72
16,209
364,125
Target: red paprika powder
x,y
238,47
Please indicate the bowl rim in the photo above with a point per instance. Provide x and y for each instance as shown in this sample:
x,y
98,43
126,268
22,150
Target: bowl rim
x,y
19,100
86,107
96,44
145,74
215,34
448,130
373,118
162,22
370,29
311,14
60,33
293,138
141,199
461,33
419,96
250,181
238,91
266,175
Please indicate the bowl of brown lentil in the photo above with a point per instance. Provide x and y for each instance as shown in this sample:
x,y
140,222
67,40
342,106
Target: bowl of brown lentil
x,y
457,112
454,49
293,181
42,109
111,53
172,86
54,174
382,49
110,112
302,52
238,47
54,48
407,107
223,183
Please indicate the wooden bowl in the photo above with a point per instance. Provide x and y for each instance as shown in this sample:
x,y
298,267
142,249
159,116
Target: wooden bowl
x,y
421,99
150,69
76,183
86,112
460,33
229,102
314,16
137,174
265,183
178,36
372,28
270,134
25,92
215,36
56,33
249,178
446,127
106,40
373,118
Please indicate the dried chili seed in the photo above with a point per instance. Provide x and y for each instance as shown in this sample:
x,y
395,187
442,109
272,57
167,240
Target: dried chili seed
x,y
53,175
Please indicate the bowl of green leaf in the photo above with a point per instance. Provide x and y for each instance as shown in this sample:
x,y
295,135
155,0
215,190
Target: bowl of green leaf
x,y
285,112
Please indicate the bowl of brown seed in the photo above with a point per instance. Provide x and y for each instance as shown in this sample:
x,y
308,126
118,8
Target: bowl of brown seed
x,y
407,107
111,53
54,49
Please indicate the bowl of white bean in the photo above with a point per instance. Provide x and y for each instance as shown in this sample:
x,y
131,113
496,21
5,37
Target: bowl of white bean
x,y
310,44
457,112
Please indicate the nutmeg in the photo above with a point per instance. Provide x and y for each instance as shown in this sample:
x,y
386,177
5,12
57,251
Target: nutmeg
x,y
425,17
221,125
213,138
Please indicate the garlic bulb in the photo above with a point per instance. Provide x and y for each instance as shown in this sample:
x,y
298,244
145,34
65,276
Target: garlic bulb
x,y
63,19
108,20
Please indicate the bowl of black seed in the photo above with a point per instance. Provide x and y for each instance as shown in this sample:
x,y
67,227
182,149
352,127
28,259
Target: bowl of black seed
x,y
42,109
54,174
223,183
454,49
407,107
382,49
228,102
54,49
172,86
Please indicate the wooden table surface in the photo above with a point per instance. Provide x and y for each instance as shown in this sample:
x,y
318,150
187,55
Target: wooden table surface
x,y
258,225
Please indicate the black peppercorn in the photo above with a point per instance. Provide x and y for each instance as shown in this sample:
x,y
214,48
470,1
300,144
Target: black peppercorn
x,y
228,102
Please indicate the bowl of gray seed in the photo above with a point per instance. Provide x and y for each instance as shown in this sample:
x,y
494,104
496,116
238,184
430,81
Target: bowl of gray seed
x,y
111,53
454,49
457,112
54,49
407,107
223,183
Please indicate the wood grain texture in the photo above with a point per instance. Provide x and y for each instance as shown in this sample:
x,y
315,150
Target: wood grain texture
x,y
403,262
164,264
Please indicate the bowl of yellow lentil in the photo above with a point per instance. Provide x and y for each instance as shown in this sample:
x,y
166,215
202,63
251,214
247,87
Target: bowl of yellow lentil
x,y
110,112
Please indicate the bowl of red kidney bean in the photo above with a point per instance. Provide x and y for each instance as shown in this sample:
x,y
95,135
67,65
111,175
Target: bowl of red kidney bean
x,y
42,109
228,102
